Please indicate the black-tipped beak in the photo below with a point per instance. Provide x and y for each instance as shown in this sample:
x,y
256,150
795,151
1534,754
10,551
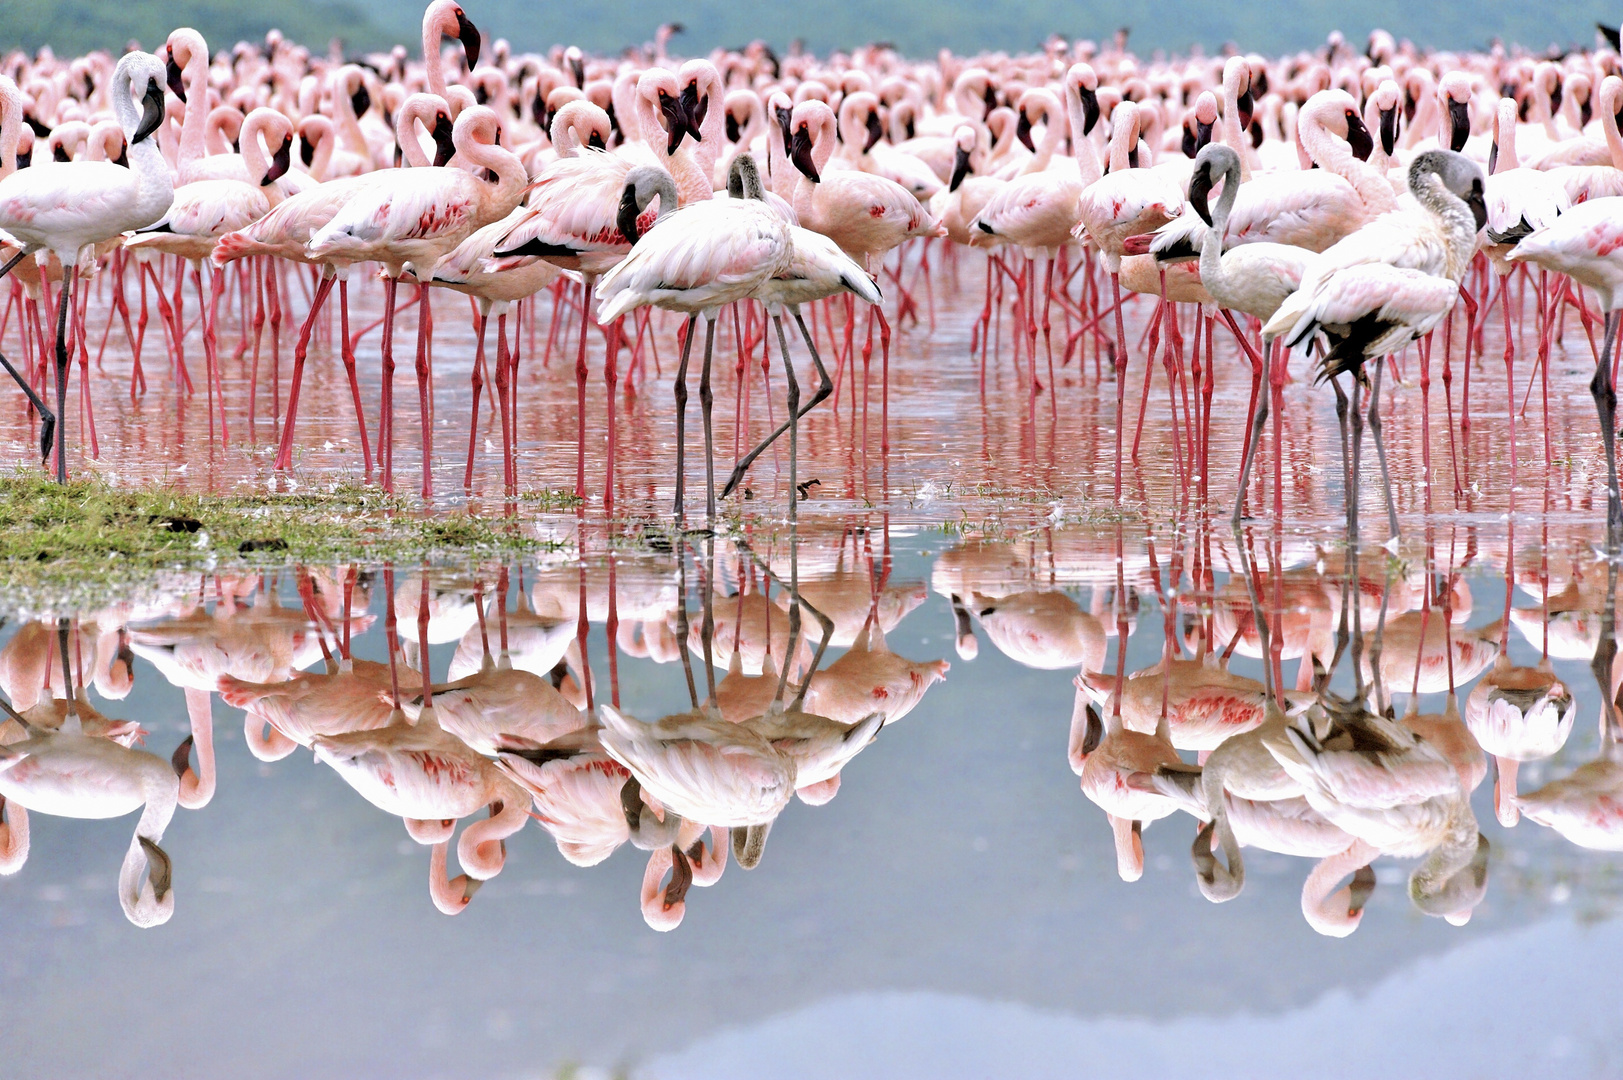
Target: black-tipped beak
x,y
1478,205
595,141
733,130
1203,136
360,100
1459,124
676,121
783,124
1586,111
160,871
1095,733
172,72
181,759
1409,106
875,132
1200,187
801,154
1190,146
152,112
1245,106
681,878
1132,157
1022,131
960,169
468,34
280,162
578,68
444,146
1493,157
990,97
1389,130
1358,137
1555,96
695,107
123,157
307,151
626,219
1090,110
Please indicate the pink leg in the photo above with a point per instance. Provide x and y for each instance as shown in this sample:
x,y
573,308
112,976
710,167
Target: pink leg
x,y
284,454
424,392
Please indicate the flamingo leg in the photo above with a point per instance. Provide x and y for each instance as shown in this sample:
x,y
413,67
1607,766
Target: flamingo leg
x,y
824,389
63,301
391,287
347,351
284,454
425,389
681,393
478,385
1380,447
1605,395
706,400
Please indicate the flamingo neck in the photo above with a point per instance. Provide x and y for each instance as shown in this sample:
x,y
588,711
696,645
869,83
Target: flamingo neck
x,y
1505,137
11,124
1053,132
1608,126
1326,908
1233,134
253,152
193,129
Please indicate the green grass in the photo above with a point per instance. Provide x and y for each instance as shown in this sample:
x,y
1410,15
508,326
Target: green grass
x,y
89,539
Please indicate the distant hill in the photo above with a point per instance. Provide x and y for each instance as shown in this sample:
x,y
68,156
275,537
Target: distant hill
x,y
919,27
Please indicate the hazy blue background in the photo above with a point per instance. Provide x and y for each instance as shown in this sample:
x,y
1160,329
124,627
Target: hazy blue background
x,y
917,26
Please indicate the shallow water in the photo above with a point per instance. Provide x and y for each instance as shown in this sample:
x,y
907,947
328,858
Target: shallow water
x,y
955,910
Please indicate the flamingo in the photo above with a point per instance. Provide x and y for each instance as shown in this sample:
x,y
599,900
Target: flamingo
x,y
1583,243
68,209
705,769
695,261
1125,202
866,215
69,773
1381,783
1386,284
409,219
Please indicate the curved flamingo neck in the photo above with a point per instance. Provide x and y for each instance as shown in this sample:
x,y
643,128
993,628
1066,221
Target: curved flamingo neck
x,y
193,129
321,158
435,27
348,126
411,144
1082,149
1611,98
11,124
1123,134
1505,137
1053,132
1326,908
1335,155
1232,133
259,122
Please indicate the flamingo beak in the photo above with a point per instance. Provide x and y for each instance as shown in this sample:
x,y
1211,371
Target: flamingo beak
x,y
152,111
1358,137
1389,130
1200,187
595,141
1090,110
172,73
280,162
1022,131
360,100
468,34
875,132
696,107
1459,124
1245,106
578,67
676,121
627,222
307,150
160,871
784,123
444,147
1095,732
801,154
681,879
181,759
960,168
1479,205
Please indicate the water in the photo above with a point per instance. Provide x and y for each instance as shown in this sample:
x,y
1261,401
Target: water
x,y
955,909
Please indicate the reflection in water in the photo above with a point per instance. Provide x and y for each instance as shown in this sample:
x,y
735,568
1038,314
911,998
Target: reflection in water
x,y
782,642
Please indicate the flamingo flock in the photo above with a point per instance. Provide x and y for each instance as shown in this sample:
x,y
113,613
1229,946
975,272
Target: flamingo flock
x,y
1369,205
527,724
